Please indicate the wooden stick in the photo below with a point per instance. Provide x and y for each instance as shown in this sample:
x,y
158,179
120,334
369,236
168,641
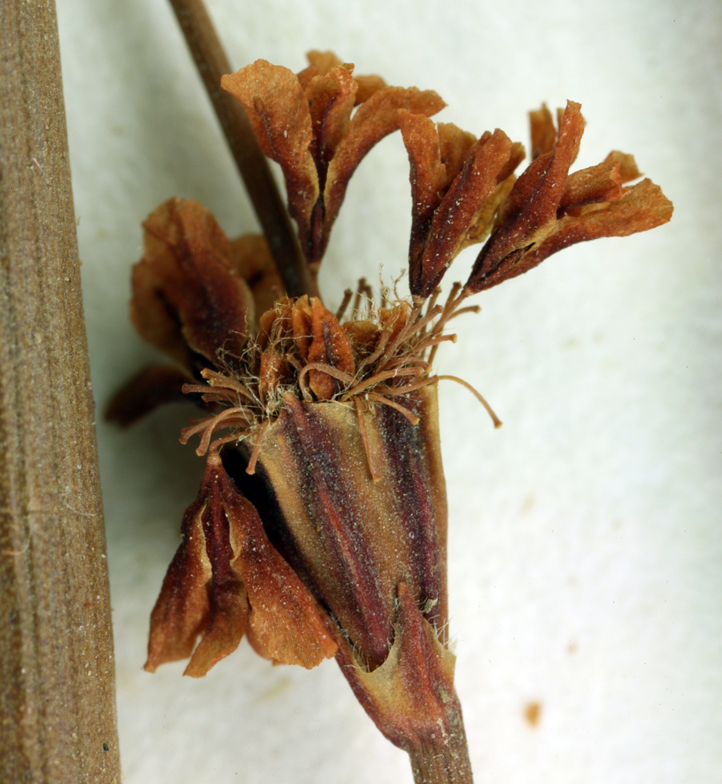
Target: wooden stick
x,y
212,63
57,685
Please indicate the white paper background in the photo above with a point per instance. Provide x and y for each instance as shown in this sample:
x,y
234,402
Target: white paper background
x,y
585,542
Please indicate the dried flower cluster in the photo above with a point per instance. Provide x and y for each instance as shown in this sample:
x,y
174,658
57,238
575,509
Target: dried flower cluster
x,y
320,526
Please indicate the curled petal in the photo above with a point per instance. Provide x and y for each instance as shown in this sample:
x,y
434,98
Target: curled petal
x,y
431,170
286,622
642,207
331,98
460,209
278,110
185,288
376,118
253,262
628,170
330,346
320,63
154,318
202,594
543,132
153,386
596,184
530,211
182,610
225,575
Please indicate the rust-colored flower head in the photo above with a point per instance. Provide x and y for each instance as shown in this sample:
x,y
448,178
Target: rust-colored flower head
x,y
320,525
308,125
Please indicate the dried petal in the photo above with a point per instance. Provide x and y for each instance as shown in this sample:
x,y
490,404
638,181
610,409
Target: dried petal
x,y
627,165
254,263
185,287
153,386
183,607
319,64
153,317
331,98
202,594
278,110
376,118
543,132
330,346
226,574
429,175
642,207
530,211
459,210
287,623
596,184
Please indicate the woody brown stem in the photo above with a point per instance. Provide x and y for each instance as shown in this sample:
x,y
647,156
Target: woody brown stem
x,y
57,689
212,64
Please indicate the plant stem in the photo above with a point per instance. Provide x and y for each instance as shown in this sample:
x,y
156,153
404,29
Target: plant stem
x,y
212,63
57,683
444,760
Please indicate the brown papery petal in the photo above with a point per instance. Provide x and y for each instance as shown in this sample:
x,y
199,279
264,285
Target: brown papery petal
x,y
331,99
319,64
190,257
643,207
627,165
375,118
153,317
287,623
202,593
253,262
278,110
330,346
153,386
459,209
368,84
226,626
596,184
455,144
543,132
427,175
181,611
534,201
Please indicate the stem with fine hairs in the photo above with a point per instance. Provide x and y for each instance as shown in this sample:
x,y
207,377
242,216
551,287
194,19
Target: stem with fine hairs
x,y
57,680
212,64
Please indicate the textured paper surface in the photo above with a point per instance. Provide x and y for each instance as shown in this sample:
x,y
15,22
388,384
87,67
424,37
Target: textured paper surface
x,y
585,543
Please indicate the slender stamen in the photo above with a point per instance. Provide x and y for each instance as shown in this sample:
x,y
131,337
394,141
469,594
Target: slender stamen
x,y
345,378
378,377
468,309
344,304
494,418
413,418
380,348
357,299
251,468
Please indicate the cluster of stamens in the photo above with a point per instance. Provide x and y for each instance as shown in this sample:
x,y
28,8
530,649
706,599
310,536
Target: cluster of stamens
x,y
378,354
